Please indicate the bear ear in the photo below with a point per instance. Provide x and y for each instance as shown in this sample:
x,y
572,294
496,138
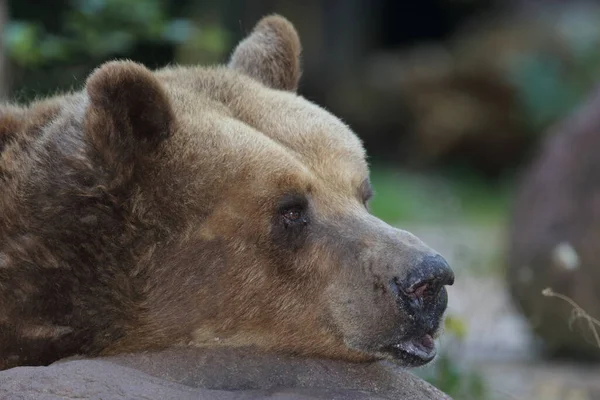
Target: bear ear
x,y
128,108
270,54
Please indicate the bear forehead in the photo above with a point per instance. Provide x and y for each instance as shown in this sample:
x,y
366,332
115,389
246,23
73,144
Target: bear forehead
x,y
246,119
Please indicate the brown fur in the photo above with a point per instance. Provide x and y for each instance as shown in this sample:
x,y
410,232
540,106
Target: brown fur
x,y
150,210
255,56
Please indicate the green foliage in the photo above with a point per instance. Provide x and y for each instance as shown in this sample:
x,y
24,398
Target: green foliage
x,y
551,82
546,94
206,46
53,47
457,382
22,42
99,29
402,197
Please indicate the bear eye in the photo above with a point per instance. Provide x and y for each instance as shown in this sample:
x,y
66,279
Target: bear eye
x,y
293,211
294,217
292,214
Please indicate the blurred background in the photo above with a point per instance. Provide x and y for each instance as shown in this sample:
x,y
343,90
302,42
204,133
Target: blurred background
x,y
479,117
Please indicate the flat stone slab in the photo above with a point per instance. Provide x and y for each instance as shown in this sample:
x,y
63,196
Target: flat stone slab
x,y
220,374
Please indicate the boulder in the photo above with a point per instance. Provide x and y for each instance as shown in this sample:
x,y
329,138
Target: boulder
x,y
555,236
220,374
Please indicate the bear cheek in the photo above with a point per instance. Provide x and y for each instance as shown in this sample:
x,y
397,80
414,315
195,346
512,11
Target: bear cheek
x,y
365,316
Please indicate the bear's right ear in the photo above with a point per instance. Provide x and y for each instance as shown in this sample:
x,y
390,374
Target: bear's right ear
x,y
128,109
271,54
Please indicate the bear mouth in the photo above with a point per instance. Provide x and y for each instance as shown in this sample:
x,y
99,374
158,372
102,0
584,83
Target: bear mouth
x,y
413,352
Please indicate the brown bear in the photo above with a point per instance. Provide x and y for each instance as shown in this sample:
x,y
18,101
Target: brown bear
x,y
205,207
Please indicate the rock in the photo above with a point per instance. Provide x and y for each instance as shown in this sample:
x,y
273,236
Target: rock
x,y
555,236
192,373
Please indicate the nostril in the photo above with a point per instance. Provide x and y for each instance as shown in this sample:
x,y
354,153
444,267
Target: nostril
x,y
426,288
428,278
420,290
424,281
418,293
434,269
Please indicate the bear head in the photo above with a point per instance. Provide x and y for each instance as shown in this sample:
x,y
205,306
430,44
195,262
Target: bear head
x,y
221,208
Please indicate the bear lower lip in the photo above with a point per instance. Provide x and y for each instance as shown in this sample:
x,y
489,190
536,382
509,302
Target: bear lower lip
x,y
415,351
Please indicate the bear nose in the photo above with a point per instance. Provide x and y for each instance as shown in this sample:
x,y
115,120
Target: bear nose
x,y
425,280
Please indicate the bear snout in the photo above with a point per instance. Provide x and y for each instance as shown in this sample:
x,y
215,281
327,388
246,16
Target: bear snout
x,y
423,287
